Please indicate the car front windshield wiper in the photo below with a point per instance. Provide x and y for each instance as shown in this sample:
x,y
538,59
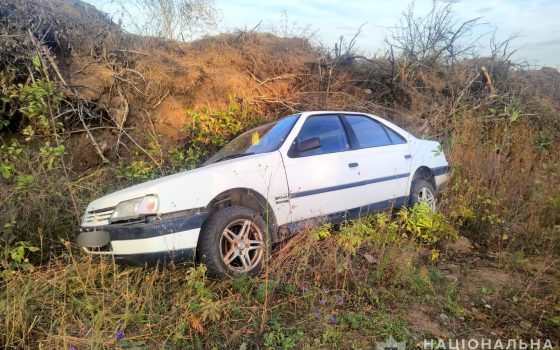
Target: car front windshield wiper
x,y
234,155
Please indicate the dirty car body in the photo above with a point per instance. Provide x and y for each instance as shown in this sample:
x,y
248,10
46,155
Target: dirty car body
x,y
305,168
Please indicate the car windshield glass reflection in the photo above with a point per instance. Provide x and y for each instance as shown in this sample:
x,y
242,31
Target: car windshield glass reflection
x,y
263,139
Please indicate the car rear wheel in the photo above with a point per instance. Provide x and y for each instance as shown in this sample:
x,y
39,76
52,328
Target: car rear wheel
x,y
423,191
233,241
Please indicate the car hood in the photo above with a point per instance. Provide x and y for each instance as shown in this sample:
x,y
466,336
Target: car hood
x,y
175,187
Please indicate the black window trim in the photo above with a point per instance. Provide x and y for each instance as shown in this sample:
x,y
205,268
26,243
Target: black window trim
x,y
346,133
354,143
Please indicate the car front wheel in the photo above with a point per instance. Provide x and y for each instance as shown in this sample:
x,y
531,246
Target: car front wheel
x,y
423,191
233,241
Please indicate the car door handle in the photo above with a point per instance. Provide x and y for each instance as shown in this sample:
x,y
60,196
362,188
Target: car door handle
x,y
352,165
407,156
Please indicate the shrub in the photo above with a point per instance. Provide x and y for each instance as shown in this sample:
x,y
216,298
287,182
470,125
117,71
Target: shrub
x,y
36,101
420,223
209,131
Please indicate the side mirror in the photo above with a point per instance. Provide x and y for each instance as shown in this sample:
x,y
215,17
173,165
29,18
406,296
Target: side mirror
x,y
309,144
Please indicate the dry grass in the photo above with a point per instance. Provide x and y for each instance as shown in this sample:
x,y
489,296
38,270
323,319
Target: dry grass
x,y
511,186
84,302
316,294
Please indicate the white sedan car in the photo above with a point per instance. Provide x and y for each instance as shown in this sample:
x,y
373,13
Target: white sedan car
x,y
264,186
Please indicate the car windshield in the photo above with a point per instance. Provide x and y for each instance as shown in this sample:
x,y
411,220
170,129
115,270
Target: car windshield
x,y
262,139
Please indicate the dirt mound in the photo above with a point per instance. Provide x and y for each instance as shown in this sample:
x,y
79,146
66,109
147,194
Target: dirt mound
x,y
61,25
128,81
162,80
134,83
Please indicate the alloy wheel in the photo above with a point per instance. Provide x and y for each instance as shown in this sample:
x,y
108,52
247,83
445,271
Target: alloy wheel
x,y
426,196
242,245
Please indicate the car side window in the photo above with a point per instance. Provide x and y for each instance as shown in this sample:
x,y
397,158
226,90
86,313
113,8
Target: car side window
x,y
368,132
329,130
395,138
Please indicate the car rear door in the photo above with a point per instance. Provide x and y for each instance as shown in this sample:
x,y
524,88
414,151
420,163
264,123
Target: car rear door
x,y
319,180
384,162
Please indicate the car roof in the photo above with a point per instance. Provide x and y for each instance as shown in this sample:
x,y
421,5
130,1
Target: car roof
x,y
333,112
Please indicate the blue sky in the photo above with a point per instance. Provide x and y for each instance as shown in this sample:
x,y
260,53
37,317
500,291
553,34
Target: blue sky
x,y
536,22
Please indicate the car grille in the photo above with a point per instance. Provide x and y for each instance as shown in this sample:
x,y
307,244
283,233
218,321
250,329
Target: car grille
x,y
98,217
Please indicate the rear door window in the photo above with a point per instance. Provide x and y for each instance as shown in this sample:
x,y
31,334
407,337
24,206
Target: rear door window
x,y
368,132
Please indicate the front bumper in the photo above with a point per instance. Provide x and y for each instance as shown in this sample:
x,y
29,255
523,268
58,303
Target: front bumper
x,y
172,237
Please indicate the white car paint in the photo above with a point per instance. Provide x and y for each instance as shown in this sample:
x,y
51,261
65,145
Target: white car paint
x,y
293,187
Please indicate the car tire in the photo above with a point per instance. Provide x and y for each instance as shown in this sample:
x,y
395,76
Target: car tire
x,y
423,191
233,241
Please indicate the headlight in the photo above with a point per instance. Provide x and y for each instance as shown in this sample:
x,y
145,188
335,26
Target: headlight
x,y
135,208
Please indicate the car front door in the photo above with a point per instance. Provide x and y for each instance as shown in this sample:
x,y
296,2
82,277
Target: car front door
x,y
384,162
320,177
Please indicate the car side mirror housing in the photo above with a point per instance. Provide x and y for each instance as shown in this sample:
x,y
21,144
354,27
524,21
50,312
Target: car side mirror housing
x,y
309,144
